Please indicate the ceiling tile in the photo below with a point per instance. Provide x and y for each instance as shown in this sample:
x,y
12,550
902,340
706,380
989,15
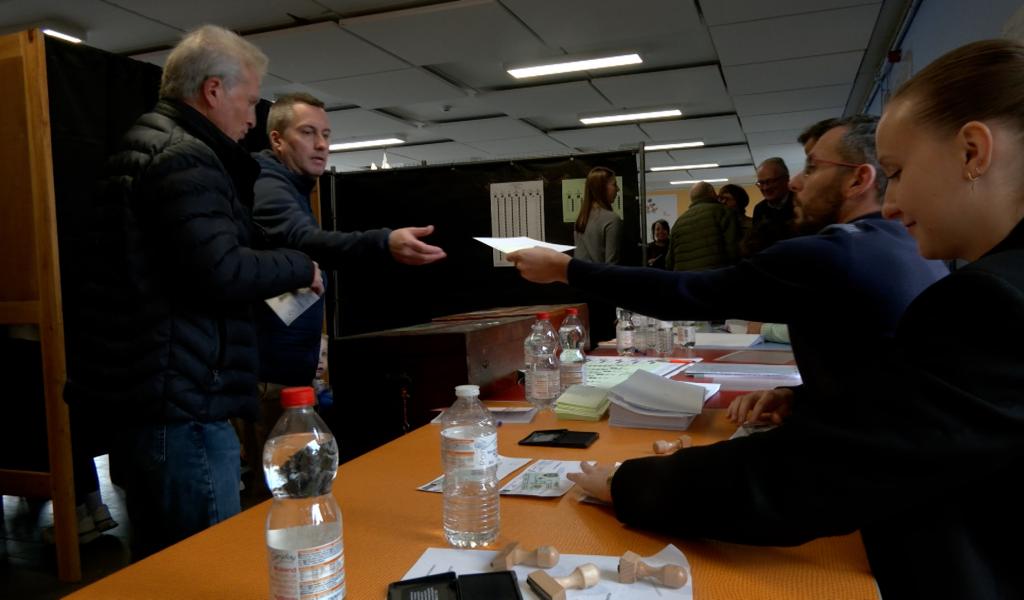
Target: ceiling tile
x,y
712,130
792,154
239,15
537,145
444,152
483,129
338,53
720,12
772,138
391,88
603,19
700,90
814,71
659,158
792,100
737,154
454,108
795,36
600,138
560,98
449,31
733,174
793,120
356,122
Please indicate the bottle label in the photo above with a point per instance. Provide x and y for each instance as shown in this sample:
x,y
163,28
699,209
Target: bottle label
x,y
316,573
473,453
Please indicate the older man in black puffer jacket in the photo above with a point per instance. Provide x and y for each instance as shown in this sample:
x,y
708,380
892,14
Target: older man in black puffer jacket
x,y
164,340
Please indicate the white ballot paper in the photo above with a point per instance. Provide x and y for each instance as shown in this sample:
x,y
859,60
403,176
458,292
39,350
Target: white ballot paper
x,y
466,562
511,244
289,305
543,478
505,466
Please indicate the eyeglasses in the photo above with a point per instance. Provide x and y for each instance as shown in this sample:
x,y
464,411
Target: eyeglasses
x,y
763,182
812,164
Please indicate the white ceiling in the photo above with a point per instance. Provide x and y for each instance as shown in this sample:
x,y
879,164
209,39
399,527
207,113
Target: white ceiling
x,y
748,75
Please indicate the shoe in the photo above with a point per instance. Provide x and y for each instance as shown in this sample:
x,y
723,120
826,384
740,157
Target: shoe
x,y
86,528
102,519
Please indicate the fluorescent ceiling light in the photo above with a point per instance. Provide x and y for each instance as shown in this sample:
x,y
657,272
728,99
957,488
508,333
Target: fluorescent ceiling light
x,y
62,36
366,144
680,167
640,116
672,146
576,65
696,181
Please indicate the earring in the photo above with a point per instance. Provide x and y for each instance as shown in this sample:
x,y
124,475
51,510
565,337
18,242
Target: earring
x,y
973,178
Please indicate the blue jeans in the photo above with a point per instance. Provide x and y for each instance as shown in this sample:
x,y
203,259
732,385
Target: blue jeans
x,y
178,479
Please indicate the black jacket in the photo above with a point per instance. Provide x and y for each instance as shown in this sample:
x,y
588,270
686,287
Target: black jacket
x,y
289,353
162,331
927,467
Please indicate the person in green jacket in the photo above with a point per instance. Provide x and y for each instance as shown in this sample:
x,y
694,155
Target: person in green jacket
x,y
706,236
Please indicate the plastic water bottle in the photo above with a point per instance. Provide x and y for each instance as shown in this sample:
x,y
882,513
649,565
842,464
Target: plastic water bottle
x,y
469,453
686,333
663,345
625,334
304,543
541,354
572,335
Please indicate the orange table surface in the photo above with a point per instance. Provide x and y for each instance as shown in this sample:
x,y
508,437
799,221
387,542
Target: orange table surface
x,y
388,524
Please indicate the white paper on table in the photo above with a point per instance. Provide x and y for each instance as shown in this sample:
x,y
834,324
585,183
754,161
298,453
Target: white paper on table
x,y
289,305
649,394
751,428
609,371
511,244
467,562
506,465
544,478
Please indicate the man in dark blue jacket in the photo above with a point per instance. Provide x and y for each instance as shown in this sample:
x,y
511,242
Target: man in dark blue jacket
x,y
858,269
167,346
300,137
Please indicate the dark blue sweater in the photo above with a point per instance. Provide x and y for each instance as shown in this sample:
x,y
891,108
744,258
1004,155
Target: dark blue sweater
x,y
841,291
289,354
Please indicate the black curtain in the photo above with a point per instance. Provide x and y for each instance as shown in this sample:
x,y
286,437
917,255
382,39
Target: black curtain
x,y
456,200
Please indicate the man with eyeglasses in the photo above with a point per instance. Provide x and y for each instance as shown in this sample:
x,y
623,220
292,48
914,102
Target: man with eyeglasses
x,y
773,181
857,267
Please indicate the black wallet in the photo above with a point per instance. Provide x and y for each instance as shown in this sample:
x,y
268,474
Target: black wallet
x,y
560,438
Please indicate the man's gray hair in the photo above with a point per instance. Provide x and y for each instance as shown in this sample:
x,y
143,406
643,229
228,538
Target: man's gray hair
x,y
209,51
779,164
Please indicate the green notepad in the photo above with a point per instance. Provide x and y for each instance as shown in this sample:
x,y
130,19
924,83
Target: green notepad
x,y
582,403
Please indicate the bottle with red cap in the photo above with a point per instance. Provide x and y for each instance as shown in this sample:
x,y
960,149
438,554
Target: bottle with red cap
x,y
304,542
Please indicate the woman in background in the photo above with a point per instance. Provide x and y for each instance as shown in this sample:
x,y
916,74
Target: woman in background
x,y
657,249
598,232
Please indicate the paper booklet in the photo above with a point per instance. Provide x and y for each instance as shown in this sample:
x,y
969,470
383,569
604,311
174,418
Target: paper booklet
x,y
647,401
289,305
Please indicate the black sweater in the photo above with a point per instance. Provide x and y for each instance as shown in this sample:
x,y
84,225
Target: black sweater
x,y
927,466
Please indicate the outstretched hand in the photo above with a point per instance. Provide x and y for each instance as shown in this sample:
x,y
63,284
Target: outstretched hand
x,y
406,247
762,406
318,280
595,480
541,265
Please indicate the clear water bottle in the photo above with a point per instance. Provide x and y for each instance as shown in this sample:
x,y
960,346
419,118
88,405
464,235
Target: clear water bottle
x,y
625,334
304,543
686,333
469,453
541,356
663,339
572,335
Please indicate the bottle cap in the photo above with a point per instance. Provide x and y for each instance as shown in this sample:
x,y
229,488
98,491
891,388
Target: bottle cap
x,y
467,390
543,316
572,311
293,397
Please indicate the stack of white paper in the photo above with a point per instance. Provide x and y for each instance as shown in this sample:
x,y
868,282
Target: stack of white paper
x,y
647,401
